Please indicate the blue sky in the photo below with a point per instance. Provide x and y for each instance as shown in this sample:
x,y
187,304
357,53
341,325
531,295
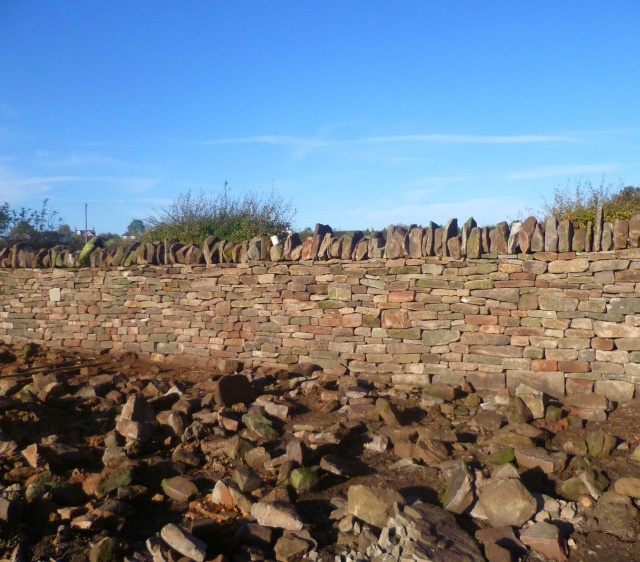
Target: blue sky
x,y
362,113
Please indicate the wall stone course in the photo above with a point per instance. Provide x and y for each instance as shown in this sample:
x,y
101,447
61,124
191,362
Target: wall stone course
x,y
554,316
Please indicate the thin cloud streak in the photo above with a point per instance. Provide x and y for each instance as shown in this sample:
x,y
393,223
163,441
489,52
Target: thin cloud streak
x,y
310,142
464,139
562,170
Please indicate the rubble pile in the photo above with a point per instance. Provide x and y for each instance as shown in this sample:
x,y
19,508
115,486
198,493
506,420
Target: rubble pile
x,y
111,458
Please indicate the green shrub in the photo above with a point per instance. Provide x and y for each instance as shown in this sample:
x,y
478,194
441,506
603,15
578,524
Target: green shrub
x,y
579,203
191,218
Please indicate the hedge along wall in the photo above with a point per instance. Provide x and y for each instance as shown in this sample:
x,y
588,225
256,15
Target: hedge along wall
x,y
561,323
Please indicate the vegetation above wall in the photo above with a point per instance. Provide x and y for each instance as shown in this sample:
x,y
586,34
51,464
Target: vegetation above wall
x,y
220,228
192,218
580,202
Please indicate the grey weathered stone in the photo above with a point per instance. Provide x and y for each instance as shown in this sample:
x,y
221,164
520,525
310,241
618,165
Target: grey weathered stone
x,y
598,224
578,242
415,236
620,233
450,231
551,234
525,235
474,247
467,227
615,514
320,231
545,538
280,515
372,505
179,488
565,236
607,237
183,542
538,239
499,238
458,496
428,240
634,231
397,245
507,502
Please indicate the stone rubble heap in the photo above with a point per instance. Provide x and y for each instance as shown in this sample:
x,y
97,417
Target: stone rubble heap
x,y
109,458
468,240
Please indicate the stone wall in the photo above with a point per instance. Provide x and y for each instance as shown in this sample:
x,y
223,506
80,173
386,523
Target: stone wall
x,y
562,323
467,241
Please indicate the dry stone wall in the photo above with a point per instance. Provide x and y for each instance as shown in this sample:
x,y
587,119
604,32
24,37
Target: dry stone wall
x,y
559,323
451,240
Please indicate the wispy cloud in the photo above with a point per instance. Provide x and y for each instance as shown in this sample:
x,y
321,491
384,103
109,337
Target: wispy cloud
x,y
290,140
15,187
278,140
464,139
562,170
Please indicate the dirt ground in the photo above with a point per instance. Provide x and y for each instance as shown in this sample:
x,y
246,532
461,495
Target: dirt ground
x,y
85,424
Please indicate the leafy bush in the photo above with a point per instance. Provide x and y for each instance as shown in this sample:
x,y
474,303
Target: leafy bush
x,y
191,218
37,227
579,203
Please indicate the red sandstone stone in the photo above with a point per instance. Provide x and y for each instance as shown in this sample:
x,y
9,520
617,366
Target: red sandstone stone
x,y
574,366
602,344
544,365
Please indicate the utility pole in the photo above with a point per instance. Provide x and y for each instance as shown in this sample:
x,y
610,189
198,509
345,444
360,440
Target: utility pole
x,y
86,224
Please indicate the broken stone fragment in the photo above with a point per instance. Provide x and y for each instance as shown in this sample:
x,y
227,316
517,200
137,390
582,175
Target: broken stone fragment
x,y
589,482
136,431
260,425
600,443
372,505
616,514
114,476
222,494
501,544
293,545
628,486
303,480
533,399
184,543
431,533
387,412
430,451
246,479
337,465
519,412
502,455
506,502
537,457
137,409
591,407
458,496
545,538
179,488
105,550
280,515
